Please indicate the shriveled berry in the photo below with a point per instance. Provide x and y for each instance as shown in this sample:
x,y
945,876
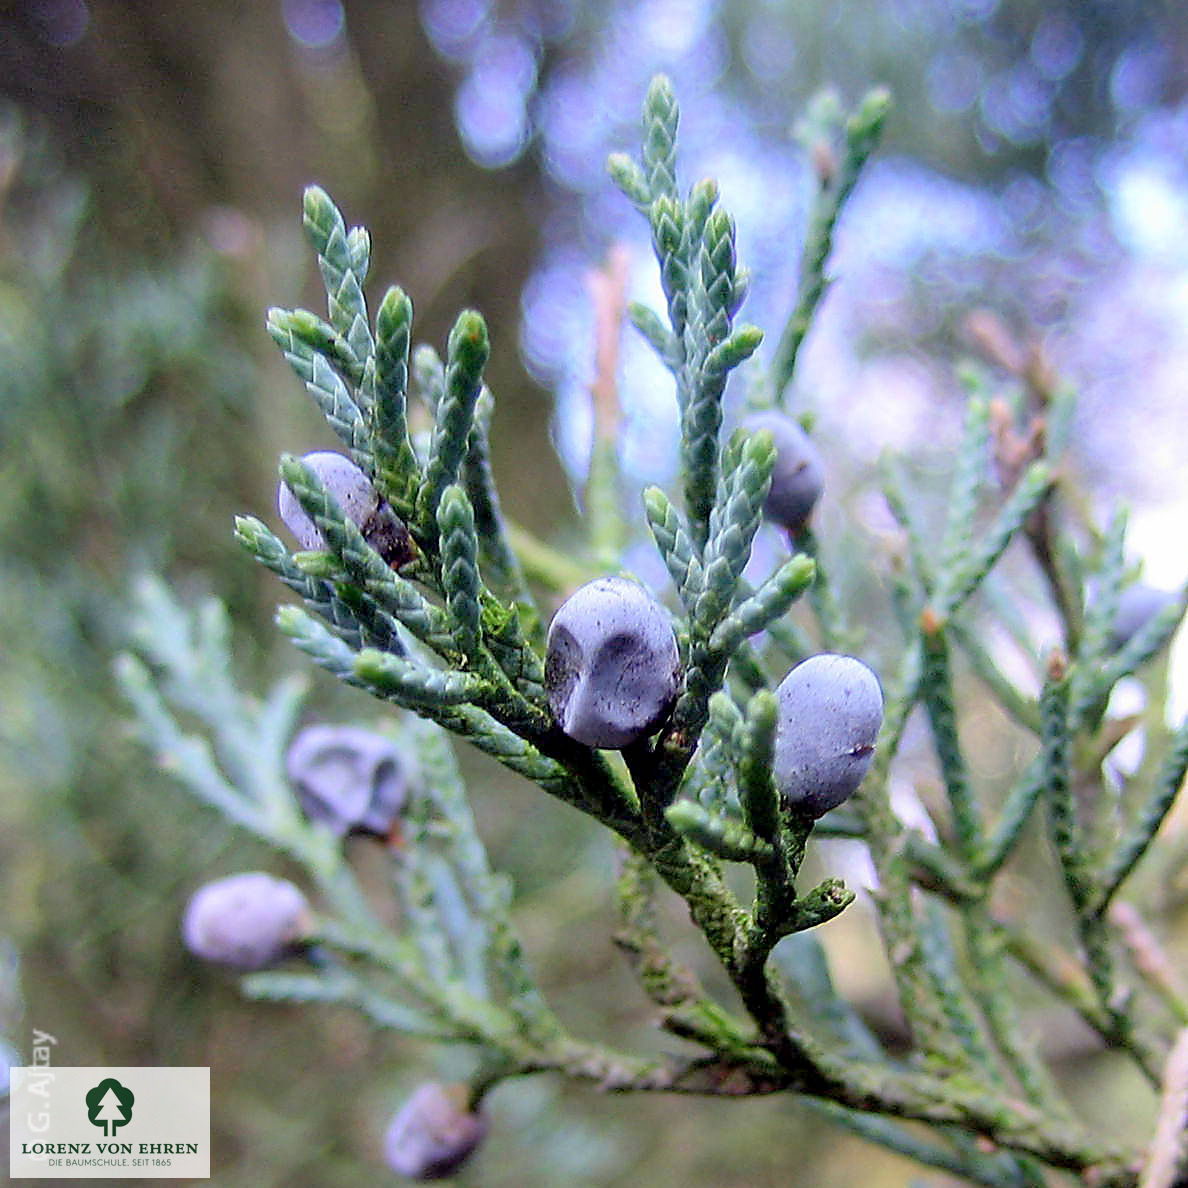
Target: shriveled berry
x,y
1137,606
798,476
360,503
247,921
612,669
350,779
434,1133
831,708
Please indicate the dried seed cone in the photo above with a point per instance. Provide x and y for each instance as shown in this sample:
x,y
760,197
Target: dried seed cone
x,y
246,921
830,712
434,1133
612,669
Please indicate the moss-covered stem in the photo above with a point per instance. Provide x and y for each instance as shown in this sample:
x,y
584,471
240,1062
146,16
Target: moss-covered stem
x,y
861,1087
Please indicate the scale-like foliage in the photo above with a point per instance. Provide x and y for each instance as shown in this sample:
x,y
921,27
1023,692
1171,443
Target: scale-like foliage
x,y
449,632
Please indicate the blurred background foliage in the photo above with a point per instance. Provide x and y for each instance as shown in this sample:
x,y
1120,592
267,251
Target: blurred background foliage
x,y
152,157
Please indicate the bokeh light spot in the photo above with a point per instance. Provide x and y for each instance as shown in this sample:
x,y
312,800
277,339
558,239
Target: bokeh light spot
x,y
491,106
314,24
1138,75
453,25
952,81
61,23
1150,212
674,26
1056,46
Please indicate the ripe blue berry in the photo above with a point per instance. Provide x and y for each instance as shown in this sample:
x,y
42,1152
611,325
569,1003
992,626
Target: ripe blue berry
x,y
360,503
831,708
434,1133
1137,606
798,476
612,669
247,921
349,779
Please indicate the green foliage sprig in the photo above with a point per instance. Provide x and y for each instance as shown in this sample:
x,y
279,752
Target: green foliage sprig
x,y
453,635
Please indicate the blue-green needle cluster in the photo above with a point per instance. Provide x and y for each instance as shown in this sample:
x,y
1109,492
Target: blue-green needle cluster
x,y
721,755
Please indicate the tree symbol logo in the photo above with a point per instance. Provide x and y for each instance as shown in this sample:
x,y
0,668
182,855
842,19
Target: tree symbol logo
x,y
109,1105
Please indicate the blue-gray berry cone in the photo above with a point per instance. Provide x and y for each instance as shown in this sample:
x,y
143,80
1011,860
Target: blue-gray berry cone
x,y
349,779
359,501
830,712
434,1133
246,921
612,669
798,477
1137,606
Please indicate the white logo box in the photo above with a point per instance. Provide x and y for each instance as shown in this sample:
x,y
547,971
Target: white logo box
x,y
109,1123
